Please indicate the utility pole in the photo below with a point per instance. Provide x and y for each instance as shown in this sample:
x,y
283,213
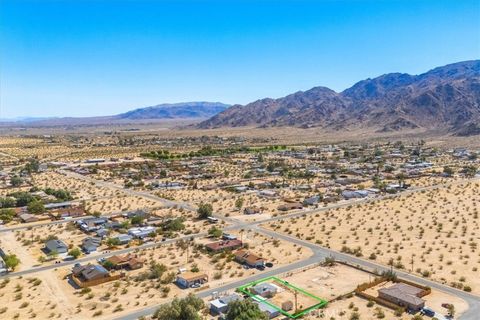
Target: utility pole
x,y
296,307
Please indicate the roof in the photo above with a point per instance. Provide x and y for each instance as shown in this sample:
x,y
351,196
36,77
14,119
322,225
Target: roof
x,y
225,300
89,271
249,257
264,287
220,245
55,245
58,205
267,308
192,276
404,292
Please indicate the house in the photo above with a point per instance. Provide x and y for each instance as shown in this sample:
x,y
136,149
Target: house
x,y
92,224
347,194
141,232
403,295
312,200
27,218
90,244
58,205
228,236
124,238
220,246
55,246
89,275
267,193
290,206
220,305
188,279
245,257
64,213
265,290
270,311
251,210
137,213
129,261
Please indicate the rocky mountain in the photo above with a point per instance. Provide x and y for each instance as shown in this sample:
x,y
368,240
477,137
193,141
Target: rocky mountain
x,y
176,110
446,98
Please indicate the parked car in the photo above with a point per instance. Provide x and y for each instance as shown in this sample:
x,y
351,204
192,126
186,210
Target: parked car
x,y
428,312
268,264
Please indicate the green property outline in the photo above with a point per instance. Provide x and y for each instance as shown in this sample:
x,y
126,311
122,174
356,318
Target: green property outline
x,y
319,305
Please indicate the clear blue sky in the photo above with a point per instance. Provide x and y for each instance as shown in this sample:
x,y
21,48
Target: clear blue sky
x,y
82,58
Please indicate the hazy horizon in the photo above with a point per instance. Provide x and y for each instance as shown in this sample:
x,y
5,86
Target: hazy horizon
x,y
99,58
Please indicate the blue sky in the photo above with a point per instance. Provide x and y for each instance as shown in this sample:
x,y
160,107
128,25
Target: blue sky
x,y
87,58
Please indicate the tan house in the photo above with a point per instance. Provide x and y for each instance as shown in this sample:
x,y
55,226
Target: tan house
x,y
128,261
245,257
188,279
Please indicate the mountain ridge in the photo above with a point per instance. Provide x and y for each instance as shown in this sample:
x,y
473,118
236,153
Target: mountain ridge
x,y
446,97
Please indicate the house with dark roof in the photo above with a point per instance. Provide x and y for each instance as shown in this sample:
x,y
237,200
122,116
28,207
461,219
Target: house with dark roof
x,y
90,275
403,295
55,246
225,245
90,244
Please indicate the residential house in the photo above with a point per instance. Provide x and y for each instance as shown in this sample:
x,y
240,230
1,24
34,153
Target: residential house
x,y
225,245
265,290
251,210
55,246
270,311
90,244
246,257
129,261
90,275
124,238
188,279
348,194
290,206
220,305
141,232
27,218
310,201
403,295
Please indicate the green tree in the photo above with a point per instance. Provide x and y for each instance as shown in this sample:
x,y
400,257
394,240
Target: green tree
x,y
239,203
8,202
204,210
36,207
215,232
75,253
16,181
112,242
244,310
11,261
181,309
6,215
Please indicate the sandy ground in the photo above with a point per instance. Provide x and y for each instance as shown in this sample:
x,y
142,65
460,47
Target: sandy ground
x,y
438,230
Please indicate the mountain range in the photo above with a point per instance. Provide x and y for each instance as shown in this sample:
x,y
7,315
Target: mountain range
x,y
445,98
176,110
